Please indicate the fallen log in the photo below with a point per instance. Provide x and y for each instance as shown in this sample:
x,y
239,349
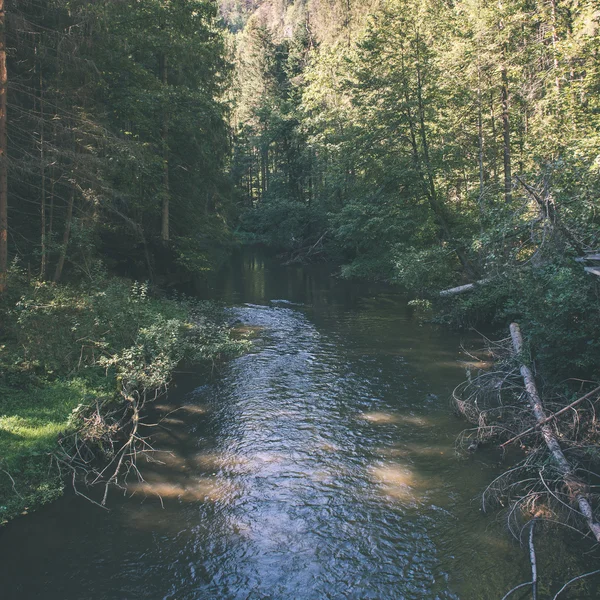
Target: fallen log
x,y
592,270
562,464
461,289
588,257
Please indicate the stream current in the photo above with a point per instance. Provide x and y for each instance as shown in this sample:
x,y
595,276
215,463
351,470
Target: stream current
x,y
319,465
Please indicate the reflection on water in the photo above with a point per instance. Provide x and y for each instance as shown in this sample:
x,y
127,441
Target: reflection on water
x,y
203,488
319,465
384,418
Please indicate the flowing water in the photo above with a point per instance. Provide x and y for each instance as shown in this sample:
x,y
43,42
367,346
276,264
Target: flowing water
x,y
321,464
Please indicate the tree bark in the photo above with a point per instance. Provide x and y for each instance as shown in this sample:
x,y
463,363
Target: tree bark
x,y
3,155
506,131
164,135
66,235
43,180
562,464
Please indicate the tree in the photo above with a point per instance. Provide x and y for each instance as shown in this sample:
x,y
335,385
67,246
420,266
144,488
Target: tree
x,y
3,155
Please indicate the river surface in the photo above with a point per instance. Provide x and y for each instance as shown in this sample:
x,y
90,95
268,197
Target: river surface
x,y
320,465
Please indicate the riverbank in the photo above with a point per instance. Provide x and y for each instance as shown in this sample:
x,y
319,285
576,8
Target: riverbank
x,y
66,348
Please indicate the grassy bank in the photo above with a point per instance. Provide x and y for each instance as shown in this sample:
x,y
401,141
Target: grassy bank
x,y
67,350
32,418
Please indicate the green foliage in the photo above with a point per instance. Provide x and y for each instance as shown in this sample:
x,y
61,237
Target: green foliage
x,y
558,305
118,106
437,144
281,223
67,347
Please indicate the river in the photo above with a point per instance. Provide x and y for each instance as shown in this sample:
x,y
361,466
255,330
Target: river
x,y
319,465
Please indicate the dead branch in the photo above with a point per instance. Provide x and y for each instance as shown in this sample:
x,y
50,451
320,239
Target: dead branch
x,y
548,208
564,587
461,289
14,485
105,448
550,440
553,416
518,587
533,562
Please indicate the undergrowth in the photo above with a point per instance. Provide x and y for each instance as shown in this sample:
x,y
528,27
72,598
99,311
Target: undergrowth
x,y
66,351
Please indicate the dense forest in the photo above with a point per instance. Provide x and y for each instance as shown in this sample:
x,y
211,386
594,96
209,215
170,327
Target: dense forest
x,y
448,147
432,144
424,144
117,135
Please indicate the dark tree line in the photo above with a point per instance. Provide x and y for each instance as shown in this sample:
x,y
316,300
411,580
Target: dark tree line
x,y
117,135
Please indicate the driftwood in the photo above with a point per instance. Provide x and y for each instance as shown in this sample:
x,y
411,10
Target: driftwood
x,y
533,561
564,587
552,443
461,289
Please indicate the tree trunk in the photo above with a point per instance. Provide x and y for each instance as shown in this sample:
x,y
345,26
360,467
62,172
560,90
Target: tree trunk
x,y
562,464
438,207
506,131
480,137
554,46
494,138
43,181
264,164
3,155
66,235
164,134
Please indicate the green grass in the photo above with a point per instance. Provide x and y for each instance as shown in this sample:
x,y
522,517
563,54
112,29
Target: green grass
x,y
31,421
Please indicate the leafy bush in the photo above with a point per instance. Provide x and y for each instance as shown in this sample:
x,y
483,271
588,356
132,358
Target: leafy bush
x,y
68,348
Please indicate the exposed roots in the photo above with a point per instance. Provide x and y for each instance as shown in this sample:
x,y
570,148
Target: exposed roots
x,y
106,444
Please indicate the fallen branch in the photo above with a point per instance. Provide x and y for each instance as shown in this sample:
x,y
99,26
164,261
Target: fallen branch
x,y
461,289
518,587
547,207
14,485
533,562
553,416
564,587
552,443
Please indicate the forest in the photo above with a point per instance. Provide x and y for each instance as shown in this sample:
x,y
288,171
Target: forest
x,y
447,148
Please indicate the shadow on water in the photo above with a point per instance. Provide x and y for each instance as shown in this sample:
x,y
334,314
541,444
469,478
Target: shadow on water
x,y
319,465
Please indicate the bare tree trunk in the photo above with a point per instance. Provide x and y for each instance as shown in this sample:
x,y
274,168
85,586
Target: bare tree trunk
x,y
537,408
554,48
164,134
256,154
506,131
43,181
3,155
264,168
480,136
495,152
66,235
